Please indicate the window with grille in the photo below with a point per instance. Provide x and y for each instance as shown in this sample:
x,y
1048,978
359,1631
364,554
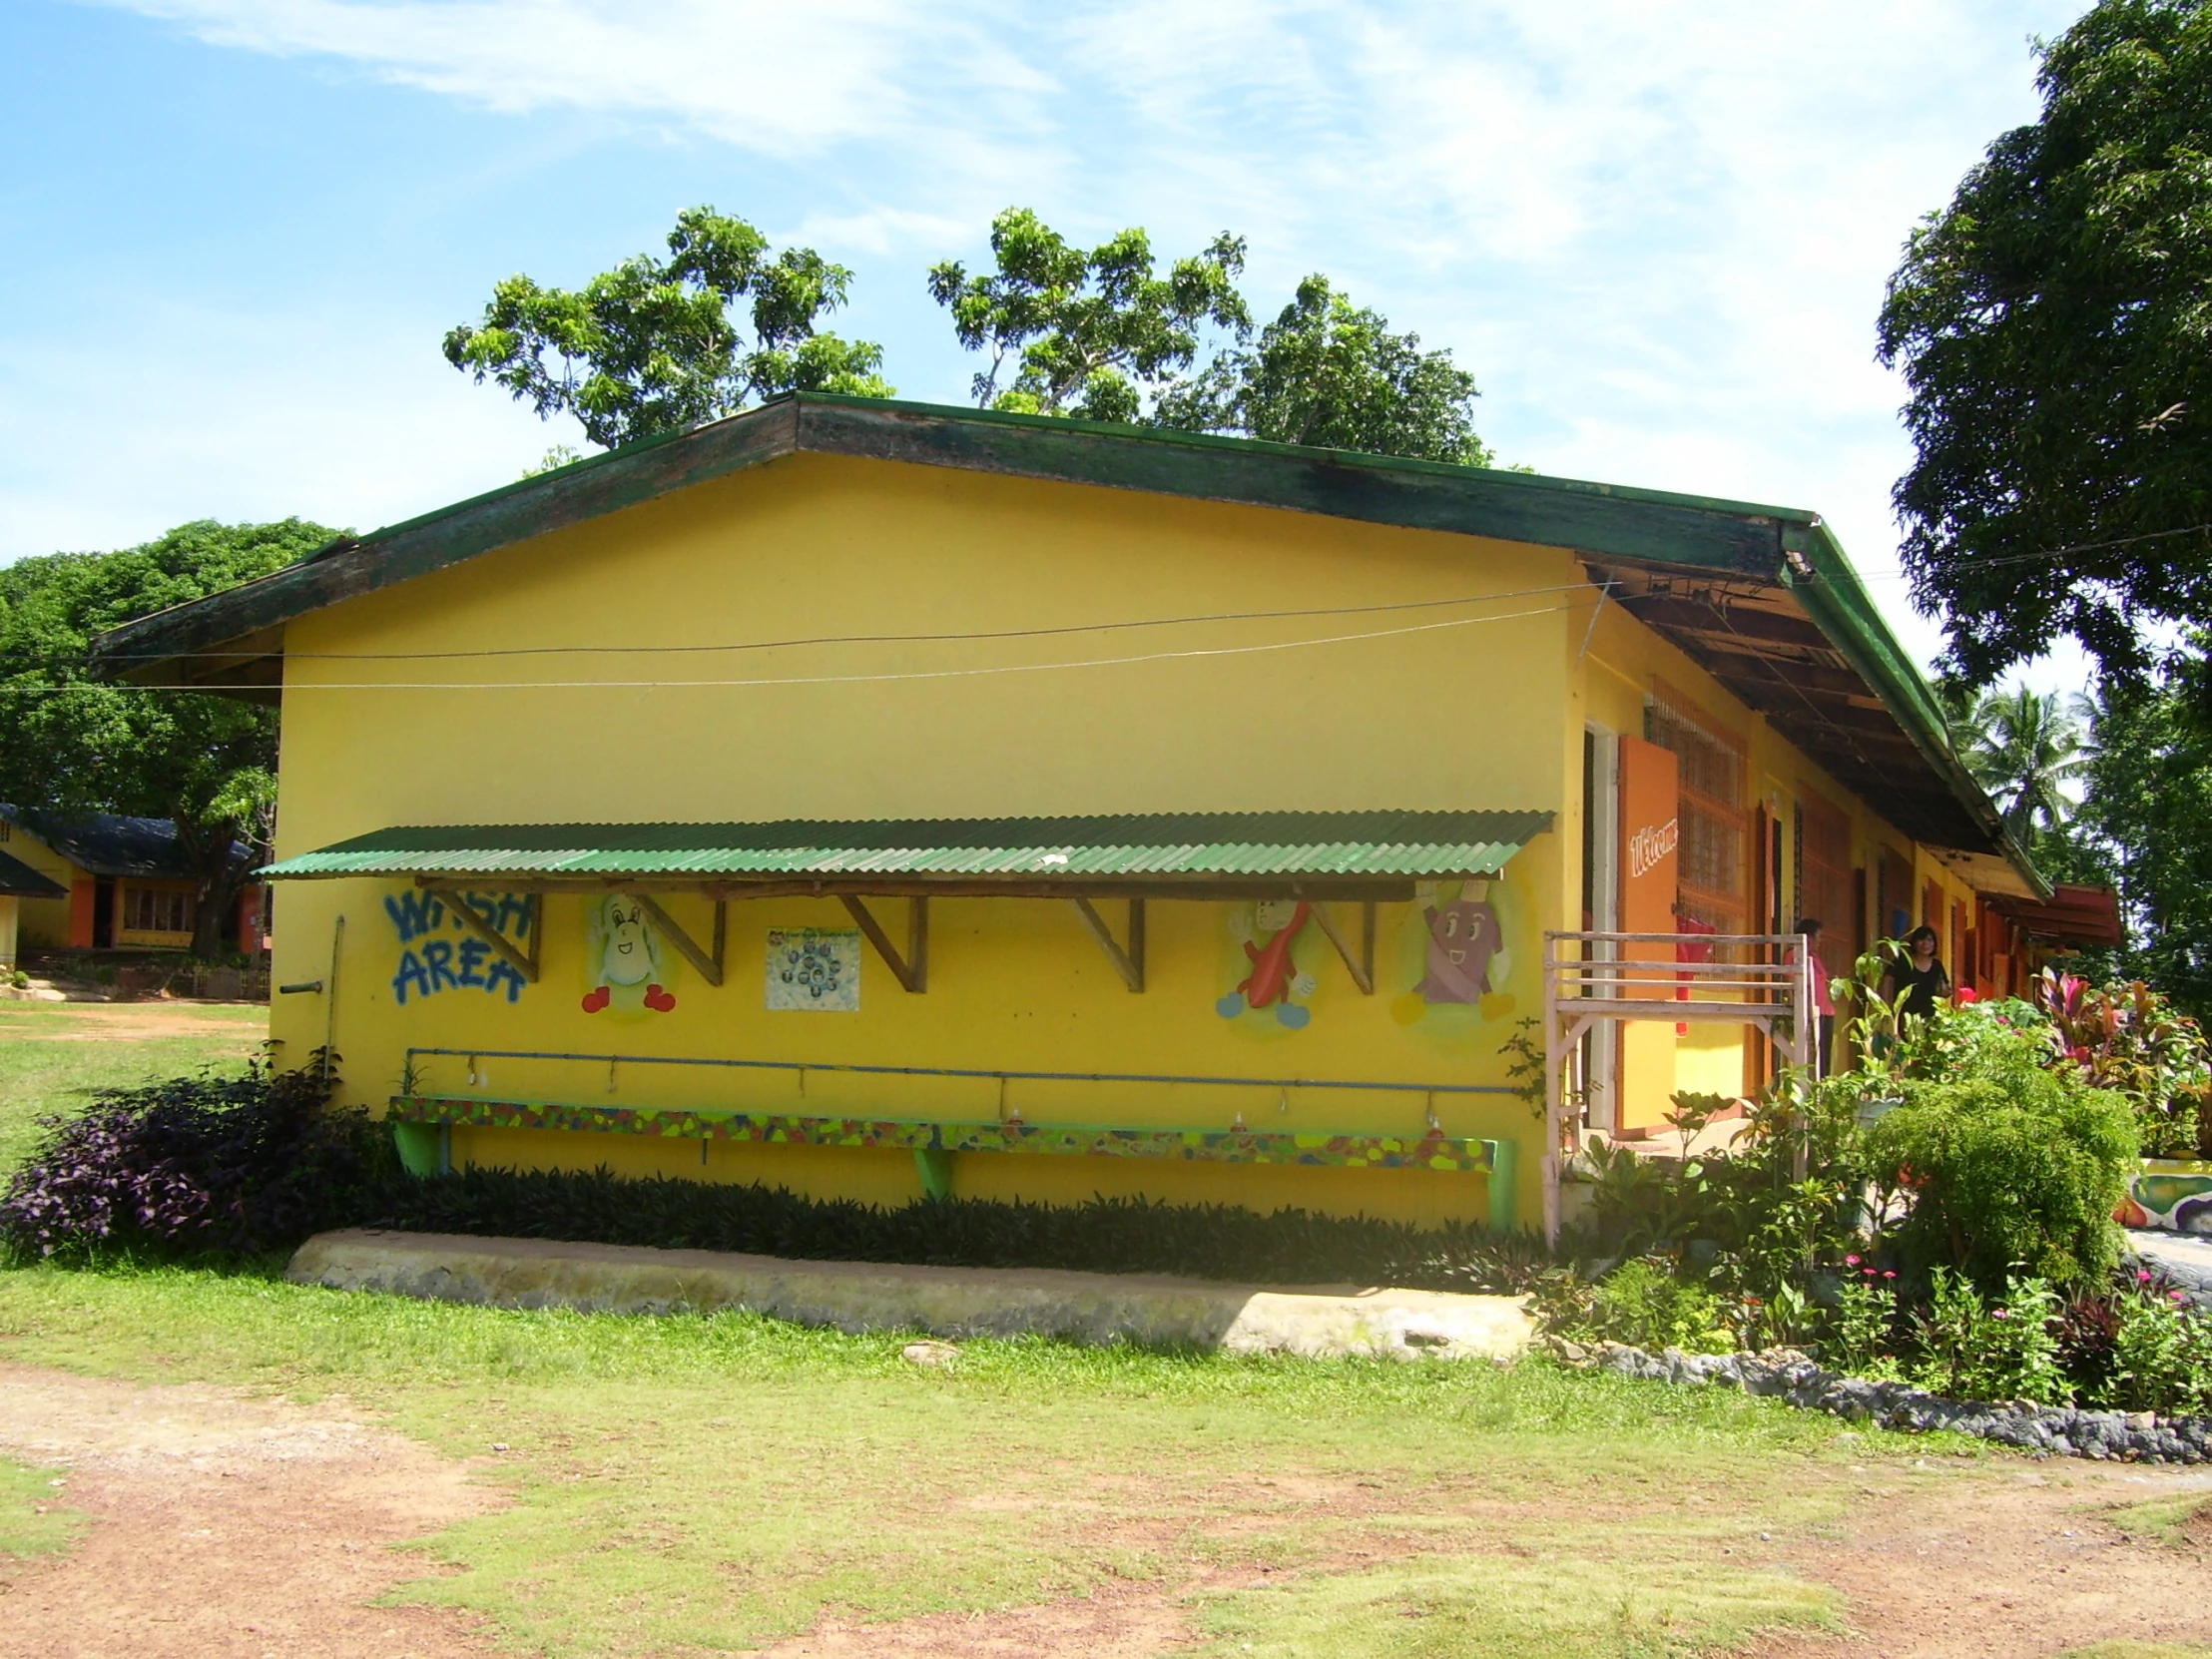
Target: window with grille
x,y
156,910
1710,858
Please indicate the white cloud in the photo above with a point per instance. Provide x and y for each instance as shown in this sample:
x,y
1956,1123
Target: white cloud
x,y
1658,232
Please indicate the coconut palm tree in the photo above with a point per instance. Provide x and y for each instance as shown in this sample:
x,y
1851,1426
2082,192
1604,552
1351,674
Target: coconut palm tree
x,y
2024,748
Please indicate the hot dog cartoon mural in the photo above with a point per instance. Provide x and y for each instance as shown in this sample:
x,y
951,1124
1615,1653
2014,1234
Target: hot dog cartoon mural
x,y
1269,933
623,961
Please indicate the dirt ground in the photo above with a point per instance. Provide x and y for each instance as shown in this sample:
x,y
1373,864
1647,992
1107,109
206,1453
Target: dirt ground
x,y
227,1524
92,1022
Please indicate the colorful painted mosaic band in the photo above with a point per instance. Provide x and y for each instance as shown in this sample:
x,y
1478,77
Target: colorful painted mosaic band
x,y
1226,1146
2174,1195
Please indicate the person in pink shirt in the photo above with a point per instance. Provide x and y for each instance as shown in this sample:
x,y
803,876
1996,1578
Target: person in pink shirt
x,y
1823,1003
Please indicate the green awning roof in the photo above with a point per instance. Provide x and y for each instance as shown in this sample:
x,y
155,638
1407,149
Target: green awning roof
x,y
1180,845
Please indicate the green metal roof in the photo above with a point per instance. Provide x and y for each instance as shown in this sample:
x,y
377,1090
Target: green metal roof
x,y
1236,845
234,641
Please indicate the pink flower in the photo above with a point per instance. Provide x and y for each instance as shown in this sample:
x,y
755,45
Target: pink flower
x,y
1850,1261
2178,1295
1889,1276
1996,1312
2142,1276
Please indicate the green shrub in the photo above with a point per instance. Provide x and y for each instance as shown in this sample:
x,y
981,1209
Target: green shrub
x,y
1105,1234
1861,1335
1974,1349
2006,1165
1643,1303
2161,1355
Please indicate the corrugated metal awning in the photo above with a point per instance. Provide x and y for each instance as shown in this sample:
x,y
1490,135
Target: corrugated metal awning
x,y
1400,845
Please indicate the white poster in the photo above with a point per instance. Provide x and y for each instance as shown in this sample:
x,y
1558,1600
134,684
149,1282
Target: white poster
x,y
813,969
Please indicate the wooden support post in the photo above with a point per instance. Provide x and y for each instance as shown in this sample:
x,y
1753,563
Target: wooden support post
x,y
709,967
1362,966
466,913
1128,963
912,970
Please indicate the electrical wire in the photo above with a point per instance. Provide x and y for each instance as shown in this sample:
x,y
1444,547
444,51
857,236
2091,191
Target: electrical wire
x,y
864,639
834,679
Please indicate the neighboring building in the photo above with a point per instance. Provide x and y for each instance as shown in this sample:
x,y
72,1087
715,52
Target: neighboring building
x,y
122,883
856,795
19,881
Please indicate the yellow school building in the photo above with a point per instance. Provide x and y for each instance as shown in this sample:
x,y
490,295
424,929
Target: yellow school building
x,y
874,798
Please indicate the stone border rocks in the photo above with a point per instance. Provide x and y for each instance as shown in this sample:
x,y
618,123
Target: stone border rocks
x,y
1786,1373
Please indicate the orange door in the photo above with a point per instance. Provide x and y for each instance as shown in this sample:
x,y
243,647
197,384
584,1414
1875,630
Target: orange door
x,y
1650,798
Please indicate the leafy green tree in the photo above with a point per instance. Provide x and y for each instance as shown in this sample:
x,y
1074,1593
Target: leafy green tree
x,y
2051,327
654,345
1086,332
2146,816
1332,375
70,743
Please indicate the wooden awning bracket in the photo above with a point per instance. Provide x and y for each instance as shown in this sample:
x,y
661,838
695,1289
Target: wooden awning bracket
x,y
708,964
1361,967
912,969
1129,963
503,947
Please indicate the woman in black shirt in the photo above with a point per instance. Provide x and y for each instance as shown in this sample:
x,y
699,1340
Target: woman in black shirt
x,y
1920,976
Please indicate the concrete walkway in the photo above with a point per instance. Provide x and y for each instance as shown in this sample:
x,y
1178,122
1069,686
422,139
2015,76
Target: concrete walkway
x,y
945,1302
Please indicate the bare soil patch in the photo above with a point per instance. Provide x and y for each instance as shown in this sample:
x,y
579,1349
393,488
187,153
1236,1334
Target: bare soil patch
x,y
2015,1560
108,1021
224,1524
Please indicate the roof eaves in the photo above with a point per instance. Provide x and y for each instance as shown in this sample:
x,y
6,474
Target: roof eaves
x,y
1698,531
1821,577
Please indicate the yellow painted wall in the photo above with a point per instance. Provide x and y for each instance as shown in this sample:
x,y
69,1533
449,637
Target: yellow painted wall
x,y
1453,717
43,921
10,912
1484,716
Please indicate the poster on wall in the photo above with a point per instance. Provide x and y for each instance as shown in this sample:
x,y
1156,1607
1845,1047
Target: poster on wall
x,y
813,971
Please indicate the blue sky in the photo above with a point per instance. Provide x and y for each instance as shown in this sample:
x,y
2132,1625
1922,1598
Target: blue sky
x,y
236,230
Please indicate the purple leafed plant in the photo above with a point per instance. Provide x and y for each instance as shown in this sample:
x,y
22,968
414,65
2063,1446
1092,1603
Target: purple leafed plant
x,y
234,1165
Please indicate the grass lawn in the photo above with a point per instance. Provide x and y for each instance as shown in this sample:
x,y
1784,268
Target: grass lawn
x,y
703,1484
711,1484
54,1055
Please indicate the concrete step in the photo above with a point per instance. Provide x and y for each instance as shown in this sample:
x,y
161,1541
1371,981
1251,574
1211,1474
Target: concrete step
x,y
1316,1322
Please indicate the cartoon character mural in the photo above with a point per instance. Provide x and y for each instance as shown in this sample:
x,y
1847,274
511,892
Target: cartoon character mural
x,y
623,961
1276,979
1466,961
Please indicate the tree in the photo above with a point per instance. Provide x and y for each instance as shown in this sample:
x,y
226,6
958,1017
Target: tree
x,y
1327,374
2026,749
654,345
1086,334
2148,814
2051,325
70,743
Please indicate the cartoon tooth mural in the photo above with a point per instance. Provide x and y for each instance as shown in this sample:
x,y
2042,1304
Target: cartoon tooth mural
x,y
622,959
1276,977
1466,961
